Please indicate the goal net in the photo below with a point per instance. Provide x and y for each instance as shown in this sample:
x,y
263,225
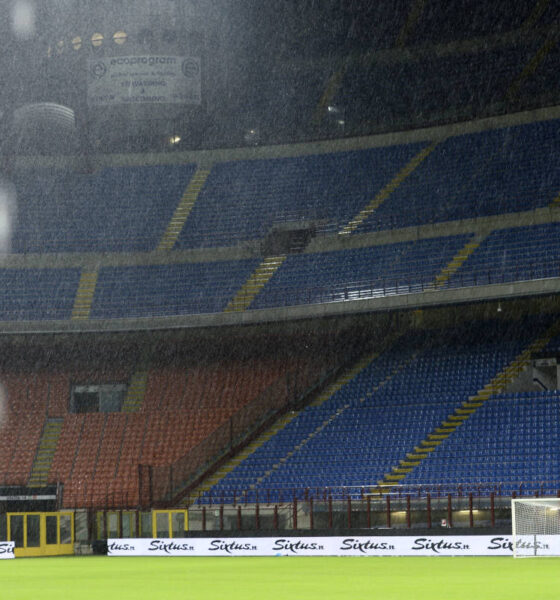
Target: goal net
x,y
535,526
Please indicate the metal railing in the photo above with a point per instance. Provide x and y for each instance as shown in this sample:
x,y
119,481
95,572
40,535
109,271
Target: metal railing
x,y
358,289
280,495
358,507
392,286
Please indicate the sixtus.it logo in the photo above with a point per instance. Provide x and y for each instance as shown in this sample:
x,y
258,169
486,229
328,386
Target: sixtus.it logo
x,y
98,70
365,546
169,547
295,546
116,547
230,546
7,547
439,545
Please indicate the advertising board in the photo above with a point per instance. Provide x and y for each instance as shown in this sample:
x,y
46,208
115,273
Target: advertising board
x,y
470,545
147,79
7,550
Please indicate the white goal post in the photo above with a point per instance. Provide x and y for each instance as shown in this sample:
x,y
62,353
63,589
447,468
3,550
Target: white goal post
x,y
535,524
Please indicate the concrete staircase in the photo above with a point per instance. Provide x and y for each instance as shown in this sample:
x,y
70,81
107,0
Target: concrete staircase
x,y
136,392
218,475
388,189
344,378
84,295
457,261
555,203
183,210
362,364
257,280
45,453
497,385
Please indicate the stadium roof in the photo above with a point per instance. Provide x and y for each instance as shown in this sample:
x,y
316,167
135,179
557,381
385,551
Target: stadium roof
x,y
277,72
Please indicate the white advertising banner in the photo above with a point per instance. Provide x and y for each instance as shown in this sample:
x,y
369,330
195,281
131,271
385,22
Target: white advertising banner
x,y
535,545
7,550
471,545
144,80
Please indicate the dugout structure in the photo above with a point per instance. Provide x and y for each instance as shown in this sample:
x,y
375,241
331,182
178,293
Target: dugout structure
x,y
41,533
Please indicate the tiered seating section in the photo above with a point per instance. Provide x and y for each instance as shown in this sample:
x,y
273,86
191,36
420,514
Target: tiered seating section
x,y
123,209
414,66
459,20
475,175
514,254
517,254
360,273
37,294
26,400
187,398
167,290
371,423
402,94
458,71
242,200
98,454
117,209
348,442
509,445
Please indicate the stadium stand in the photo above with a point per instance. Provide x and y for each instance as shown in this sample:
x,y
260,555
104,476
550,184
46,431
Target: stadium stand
x,y
96,456
27,405
364,272
513,254
379,416
493,172
326,274
375,195
545,82
148,291
118,209
19,446
37,294
521,253
431,81
242,200
448,23
379,190
507,445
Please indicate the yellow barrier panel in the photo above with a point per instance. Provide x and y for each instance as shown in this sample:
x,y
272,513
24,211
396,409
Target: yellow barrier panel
x,y
41,533
169,523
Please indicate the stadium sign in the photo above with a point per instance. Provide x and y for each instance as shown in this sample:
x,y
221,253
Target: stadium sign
x,y
27,497
437,545
7,550
137,80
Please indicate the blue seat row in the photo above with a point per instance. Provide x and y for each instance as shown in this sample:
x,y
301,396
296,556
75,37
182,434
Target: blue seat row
x,y
354,443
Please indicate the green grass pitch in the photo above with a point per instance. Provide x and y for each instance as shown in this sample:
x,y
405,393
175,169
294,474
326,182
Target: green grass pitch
x,y
294,578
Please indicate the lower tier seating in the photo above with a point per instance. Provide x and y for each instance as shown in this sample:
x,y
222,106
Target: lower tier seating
x,y
509,444
366,428
350,440
98,454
